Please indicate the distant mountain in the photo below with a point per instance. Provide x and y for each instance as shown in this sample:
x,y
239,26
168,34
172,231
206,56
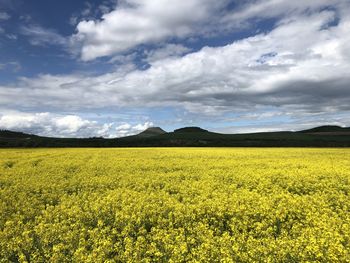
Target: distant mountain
x,y
152,131
324,136
328,129
14,134
190,129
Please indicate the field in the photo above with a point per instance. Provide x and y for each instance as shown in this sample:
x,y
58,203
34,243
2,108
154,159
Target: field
x,y
175,205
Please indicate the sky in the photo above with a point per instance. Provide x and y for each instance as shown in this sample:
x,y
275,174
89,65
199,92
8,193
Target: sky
x,y
113,68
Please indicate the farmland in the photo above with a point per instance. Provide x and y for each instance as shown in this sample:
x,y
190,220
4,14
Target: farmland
x,y
175,205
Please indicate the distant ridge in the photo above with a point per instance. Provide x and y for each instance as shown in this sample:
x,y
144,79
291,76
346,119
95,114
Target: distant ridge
x,y
14,134
328,130
152,131
323,136
190,129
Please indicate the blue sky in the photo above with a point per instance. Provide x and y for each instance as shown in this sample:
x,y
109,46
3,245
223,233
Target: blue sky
x,y
115,67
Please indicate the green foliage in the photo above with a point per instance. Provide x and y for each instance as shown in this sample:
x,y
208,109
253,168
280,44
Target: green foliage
x,y
175,205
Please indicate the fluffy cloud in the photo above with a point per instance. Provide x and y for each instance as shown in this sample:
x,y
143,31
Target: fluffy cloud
x,y
127,129
48,124
301,65
166,51
136,22
288,66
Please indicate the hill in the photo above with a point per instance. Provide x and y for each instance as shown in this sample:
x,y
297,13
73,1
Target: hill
x,y
14,134
328,130
152,131
189,129
324,136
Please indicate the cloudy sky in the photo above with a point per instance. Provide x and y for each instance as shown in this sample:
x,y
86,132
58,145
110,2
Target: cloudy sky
x,y
115,67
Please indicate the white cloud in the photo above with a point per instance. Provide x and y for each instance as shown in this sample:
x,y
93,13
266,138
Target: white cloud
x,y
303,63
136,22
288,66
142,127
71,124
91,10
122,127
127,129
49,124
166,51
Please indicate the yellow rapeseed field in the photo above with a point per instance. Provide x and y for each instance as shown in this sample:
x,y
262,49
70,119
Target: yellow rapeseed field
x,y
175,205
